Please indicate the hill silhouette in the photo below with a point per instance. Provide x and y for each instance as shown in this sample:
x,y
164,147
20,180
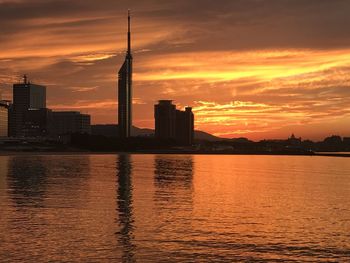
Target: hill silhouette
x,y
111,130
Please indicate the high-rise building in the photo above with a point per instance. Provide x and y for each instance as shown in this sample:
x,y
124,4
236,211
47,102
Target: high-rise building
x,y
165,120
4,118
125,92
171,123
26,96
185,126
69,122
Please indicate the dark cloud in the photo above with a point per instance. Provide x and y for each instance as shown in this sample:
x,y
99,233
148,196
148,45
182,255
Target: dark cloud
x,y
223,24
76,47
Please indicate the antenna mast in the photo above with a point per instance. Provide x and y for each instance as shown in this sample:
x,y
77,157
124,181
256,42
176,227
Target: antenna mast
x,y
129,34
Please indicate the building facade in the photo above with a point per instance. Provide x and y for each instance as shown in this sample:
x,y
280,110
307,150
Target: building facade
x,y
173,124
25,96
125,92
165,120
11,121
37,122
4,119
69,122
184,126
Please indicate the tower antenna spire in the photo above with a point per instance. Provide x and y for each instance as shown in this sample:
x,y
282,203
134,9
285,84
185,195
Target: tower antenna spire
x,y
129,33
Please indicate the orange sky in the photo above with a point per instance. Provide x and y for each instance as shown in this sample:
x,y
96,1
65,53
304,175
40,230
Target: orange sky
x,y
258,69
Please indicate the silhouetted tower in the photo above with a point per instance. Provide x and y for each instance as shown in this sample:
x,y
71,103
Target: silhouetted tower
x,y
125,92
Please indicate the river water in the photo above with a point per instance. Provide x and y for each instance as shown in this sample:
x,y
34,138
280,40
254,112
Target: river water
x,y
174,208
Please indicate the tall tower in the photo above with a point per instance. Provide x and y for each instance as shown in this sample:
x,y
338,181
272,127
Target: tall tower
x,y
125,92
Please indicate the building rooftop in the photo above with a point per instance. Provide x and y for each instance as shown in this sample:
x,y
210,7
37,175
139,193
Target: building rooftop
x,y
5,103
165,101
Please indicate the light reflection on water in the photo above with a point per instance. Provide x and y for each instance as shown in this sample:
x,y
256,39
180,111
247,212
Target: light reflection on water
x,y
166,208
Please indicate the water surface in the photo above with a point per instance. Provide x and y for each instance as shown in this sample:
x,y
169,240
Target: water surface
x,y
171,208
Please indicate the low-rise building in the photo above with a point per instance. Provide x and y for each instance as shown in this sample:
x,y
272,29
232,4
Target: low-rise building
x,y
70,122
37,122
4,118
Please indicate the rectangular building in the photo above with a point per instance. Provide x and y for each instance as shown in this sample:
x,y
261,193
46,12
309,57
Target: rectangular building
x,y
26,96
165,115
173,124
11,121
346,140
70,122
4,119
37,122
185,126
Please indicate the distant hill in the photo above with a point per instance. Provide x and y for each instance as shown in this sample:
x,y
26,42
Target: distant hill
x,y
135,131
201,135
108,130
111,130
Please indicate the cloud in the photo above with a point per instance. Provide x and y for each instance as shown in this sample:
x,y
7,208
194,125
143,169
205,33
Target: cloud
x,y
238,118
82,89
248,66
84,105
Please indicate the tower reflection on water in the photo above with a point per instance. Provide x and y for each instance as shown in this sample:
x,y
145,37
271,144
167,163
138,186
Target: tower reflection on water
x,y
125,207
173,182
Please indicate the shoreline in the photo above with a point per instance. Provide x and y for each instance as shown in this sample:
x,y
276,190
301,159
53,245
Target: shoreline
x,y
37,153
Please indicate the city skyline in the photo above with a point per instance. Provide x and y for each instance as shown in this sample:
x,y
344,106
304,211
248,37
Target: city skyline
x,y
249,68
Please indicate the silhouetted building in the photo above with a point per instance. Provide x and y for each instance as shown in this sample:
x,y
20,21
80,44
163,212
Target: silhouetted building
x,y
184,126
111,130
346,140
294,141
165,120
107,130
26,96
69,122
173,124
11,121
125,92
4,118
37,122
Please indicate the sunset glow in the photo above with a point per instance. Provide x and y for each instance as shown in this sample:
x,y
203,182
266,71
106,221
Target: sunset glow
x,y
261,73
